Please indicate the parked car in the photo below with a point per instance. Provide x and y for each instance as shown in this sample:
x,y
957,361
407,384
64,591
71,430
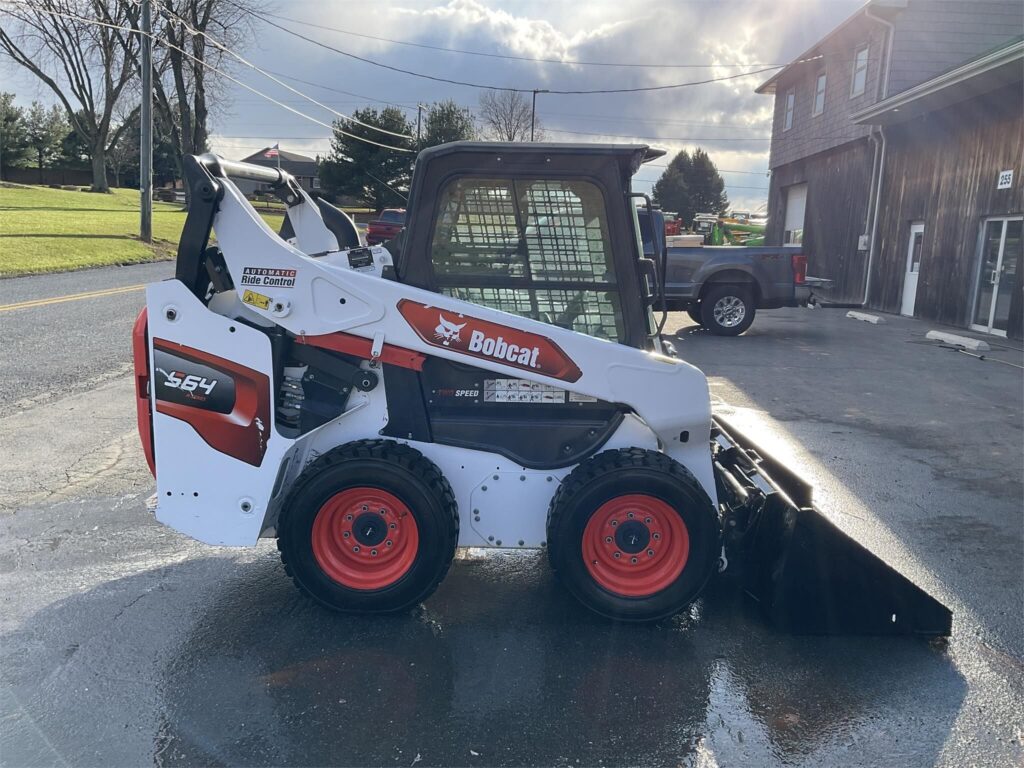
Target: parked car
x,y
722,287
386,226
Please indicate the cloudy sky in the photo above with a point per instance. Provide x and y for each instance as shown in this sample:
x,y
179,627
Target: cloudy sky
x,y
712,38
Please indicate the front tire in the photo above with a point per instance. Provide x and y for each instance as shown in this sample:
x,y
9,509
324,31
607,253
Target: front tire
x,y
370,526
727,310
694,312
632,535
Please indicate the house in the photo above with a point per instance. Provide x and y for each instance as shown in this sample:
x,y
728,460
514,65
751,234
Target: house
x,y
303,168
897,143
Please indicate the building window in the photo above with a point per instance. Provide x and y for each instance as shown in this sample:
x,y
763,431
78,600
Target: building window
x,y
819,95
316,182
787,121
860,72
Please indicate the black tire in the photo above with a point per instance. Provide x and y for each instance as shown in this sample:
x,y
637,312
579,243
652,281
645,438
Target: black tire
x,y
693,310
374,469
635,473
735,307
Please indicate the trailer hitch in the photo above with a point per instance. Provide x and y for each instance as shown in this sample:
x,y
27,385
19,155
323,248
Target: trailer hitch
x,y
805,573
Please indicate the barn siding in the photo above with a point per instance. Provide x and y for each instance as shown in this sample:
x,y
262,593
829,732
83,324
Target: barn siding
x,y
837,197
941,169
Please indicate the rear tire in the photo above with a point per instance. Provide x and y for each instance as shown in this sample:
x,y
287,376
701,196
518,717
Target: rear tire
x,y
727,310
370,526
632,535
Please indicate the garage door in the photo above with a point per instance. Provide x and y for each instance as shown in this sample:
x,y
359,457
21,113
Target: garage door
x,y
796,204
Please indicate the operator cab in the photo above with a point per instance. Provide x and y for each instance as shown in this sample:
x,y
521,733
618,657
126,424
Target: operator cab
x,y
546,231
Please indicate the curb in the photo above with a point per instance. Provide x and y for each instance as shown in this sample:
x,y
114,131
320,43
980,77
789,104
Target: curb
x,y
958,341
873,319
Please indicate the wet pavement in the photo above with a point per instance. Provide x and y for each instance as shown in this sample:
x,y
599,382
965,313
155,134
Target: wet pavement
x,y
123,643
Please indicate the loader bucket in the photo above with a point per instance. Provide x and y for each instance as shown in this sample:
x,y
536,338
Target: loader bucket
x,y
808,575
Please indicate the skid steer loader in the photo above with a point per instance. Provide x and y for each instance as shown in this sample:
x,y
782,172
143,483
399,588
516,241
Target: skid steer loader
x,y
494,379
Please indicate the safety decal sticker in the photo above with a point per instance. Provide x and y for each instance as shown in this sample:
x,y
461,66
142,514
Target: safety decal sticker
x,y
483,339
265,277
256,299
521,391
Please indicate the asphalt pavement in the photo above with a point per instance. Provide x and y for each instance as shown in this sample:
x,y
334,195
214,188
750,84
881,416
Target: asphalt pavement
x,y
124,643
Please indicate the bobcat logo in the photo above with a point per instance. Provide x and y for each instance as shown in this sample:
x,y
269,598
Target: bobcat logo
x,y
447,331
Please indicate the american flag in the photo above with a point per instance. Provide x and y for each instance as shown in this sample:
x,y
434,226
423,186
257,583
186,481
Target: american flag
x,y
273,151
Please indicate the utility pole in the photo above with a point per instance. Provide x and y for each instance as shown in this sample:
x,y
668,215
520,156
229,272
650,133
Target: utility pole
x,y
146,125
419,119
533,110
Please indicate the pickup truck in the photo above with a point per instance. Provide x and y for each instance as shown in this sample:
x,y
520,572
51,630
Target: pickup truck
x,y
722,287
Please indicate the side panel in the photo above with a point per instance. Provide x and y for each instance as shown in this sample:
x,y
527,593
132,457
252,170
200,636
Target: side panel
x,y
198,423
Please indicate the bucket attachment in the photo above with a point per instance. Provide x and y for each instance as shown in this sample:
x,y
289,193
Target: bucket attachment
x,y
808,575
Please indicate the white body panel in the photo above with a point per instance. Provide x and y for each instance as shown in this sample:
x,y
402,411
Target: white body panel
x,y
235,502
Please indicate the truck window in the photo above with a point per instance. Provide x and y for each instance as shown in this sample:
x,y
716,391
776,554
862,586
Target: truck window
x,y
533,247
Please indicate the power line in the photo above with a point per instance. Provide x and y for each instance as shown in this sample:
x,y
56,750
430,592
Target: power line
x,y
220,46
483,86
168,44
567,62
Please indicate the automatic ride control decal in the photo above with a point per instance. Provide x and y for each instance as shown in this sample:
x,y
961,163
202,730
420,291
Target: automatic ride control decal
x,y
488,341
264,277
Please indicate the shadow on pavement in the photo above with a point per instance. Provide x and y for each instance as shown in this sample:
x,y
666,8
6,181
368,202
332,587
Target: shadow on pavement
x,y
500,667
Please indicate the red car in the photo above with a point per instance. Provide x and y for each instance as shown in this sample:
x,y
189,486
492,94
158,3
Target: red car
x,y
386,226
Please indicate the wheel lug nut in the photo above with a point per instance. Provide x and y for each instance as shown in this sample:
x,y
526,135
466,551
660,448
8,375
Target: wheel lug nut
x,y
607,539
355,548
346,534
629,515
364,508
656,536
373,552
647,520
632,560
614,523
388,542
392,526
618,555
650,553
383,511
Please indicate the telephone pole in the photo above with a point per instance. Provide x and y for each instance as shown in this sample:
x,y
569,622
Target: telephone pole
x,y
419,119
533,110
146,125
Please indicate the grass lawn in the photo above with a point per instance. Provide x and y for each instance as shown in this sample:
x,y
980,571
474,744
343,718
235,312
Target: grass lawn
x,y
53,230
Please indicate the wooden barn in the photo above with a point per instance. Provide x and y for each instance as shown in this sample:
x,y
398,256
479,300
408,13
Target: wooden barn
x,y
896,160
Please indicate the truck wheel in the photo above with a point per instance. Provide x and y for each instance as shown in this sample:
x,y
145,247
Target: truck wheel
x,y
727,310
370,526
694,312
632,535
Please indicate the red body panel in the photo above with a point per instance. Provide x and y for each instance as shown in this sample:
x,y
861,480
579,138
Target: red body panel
x,y
140,358
241,433
360,347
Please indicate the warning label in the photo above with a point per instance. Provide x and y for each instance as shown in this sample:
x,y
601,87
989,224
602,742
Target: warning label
x,y
521,391
256,299
264,277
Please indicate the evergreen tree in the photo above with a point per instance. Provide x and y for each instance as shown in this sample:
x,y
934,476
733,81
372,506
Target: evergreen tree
x,y
447,121
45,130
690,185
13,141
377,176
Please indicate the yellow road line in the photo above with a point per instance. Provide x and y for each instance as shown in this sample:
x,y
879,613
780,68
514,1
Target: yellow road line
x,y
69,297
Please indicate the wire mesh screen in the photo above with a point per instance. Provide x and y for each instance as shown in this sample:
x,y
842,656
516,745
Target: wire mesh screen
x,y
595,313
529,231
539,229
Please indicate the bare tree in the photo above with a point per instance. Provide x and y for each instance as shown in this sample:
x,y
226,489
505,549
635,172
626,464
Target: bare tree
x,y
506,116
184,78
93,63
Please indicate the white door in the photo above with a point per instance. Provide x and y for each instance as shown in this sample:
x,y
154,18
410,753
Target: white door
x,y
796,205
913,269
1002,254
